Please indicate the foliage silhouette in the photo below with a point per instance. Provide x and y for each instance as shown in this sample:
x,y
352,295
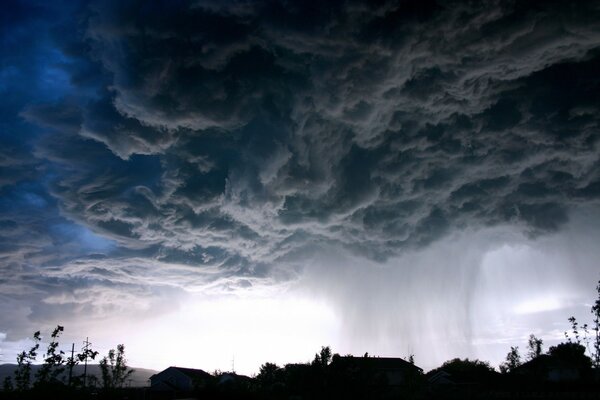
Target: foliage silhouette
x,y
114,369
24,361
323,358
54,360
463,368
270,374
574,331
513,360
575,335
571,353
86,354
535,347
596,328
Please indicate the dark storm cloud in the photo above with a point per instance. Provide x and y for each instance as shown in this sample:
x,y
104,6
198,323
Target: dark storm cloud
x,y
234,136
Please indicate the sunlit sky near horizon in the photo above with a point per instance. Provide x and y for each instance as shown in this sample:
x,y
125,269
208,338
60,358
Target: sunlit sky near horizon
x,y
239,182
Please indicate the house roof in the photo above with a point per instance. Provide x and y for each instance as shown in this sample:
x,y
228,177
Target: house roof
x,y
193,373
189,372
381,363
541,362
233,377
544,362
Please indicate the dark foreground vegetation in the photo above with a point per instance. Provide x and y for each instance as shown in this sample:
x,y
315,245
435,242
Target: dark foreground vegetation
x,y
569,370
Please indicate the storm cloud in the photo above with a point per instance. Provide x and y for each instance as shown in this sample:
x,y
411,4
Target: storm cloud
x,y
197,145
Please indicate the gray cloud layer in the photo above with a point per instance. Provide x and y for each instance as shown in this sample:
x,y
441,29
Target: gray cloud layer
x,y
355,125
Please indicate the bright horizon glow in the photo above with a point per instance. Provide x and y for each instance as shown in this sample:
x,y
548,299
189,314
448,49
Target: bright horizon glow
x,y
210,333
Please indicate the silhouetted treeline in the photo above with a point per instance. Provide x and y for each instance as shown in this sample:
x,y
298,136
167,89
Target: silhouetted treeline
x,y
54,378
328,376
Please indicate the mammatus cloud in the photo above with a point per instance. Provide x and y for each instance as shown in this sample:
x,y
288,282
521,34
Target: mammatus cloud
x,y
222,145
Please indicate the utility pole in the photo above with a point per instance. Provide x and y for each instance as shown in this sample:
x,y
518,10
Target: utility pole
x,y
233,363
71,363
85,350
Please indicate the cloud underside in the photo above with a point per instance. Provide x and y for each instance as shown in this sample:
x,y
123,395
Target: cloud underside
x,y
238,138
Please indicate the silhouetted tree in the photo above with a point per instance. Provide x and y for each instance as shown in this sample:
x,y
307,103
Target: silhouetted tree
x,y
271,380
323,358
575,336
86,354
53,361
467,372
535,347
24,360
574,331
269,374
571,353
319,373
114,368
596,313
465,367
513,360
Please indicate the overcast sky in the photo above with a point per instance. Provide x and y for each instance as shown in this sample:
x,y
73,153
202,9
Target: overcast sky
x,y
206,181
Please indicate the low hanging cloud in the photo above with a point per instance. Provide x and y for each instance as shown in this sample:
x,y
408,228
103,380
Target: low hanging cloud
x,y
267,127
239,138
